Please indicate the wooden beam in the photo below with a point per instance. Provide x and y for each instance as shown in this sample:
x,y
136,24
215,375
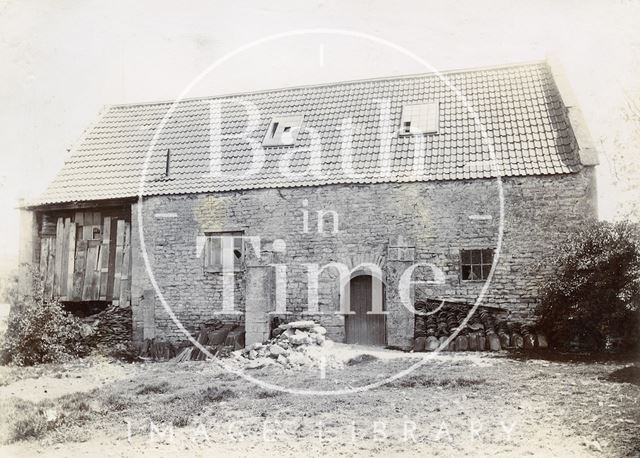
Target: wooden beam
x,y
64,256
58,258
71,258
103,260
125,279
78,270
90,270
112,258
124,202
51,256
118,261
44,253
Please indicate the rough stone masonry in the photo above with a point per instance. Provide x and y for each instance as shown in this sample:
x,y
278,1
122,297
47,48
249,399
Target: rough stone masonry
x,y
393,225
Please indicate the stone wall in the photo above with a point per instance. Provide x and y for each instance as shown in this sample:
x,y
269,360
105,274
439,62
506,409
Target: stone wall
x,y
393,225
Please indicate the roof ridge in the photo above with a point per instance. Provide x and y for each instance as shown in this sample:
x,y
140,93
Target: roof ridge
x,y
337,83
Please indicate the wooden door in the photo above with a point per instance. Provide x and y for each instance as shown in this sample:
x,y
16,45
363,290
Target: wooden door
x,y
360,327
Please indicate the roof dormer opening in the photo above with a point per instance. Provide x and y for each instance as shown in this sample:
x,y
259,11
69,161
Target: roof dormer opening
x,y
283,131
421,118
274,129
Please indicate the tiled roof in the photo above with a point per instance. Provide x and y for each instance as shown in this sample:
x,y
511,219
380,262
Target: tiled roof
x,y
518,106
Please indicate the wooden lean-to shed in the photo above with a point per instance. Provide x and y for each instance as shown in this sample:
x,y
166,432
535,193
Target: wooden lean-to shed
x,y
84,255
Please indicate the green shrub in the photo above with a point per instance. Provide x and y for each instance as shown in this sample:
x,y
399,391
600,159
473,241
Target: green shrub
x,y
593,297
42,333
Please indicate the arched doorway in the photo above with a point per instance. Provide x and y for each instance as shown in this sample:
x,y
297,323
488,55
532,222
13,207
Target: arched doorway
x,y
362,327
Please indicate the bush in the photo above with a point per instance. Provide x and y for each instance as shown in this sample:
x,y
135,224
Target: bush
x,y
594,295
42,333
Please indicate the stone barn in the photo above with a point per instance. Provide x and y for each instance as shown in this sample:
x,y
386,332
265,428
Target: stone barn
x,y
311,202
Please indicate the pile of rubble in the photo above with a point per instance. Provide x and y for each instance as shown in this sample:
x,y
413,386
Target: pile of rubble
x,y
295,344
435,323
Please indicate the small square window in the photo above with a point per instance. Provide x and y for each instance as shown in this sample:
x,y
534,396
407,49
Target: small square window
x,y
422,118
283,131
475,264
223,248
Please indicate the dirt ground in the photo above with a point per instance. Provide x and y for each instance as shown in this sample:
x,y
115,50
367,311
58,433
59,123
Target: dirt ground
x,y
455,404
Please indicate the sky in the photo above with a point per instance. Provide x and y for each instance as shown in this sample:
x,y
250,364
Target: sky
x,y
62,61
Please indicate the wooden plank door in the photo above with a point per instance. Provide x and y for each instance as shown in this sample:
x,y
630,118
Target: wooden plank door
x,y
360,327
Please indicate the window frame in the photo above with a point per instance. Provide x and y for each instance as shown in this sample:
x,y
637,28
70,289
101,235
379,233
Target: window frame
x,y
484,267
238,242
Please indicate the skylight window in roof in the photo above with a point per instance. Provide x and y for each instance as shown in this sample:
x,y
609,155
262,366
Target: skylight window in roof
x,y
282,131
422,118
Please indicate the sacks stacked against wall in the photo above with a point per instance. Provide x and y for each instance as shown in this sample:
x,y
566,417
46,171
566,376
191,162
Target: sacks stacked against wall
x,y
483,331
218,338
109,331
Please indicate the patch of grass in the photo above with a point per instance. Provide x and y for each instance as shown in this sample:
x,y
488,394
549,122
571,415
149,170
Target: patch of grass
x,y
266,394
215,394
176,414
416,381
183,406
26,422
153,388
464,381
361,359
117,402
29,421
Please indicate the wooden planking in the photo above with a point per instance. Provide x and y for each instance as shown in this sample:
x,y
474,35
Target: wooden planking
x,y
125,279
47,245
74,267
103,260
86,231
44,253
71,257
78,270
64,259
94,287
48,284
362,327
58,258
112,257
90,221
118,260
91,273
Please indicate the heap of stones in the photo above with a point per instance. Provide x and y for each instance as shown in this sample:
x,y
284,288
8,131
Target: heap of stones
x,y
295,344
482,332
